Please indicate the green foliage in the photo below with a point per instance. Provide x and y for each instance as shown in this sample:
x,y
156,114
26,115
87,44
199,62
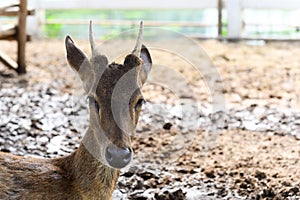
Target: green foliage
x,y
58,30
53,30
107,31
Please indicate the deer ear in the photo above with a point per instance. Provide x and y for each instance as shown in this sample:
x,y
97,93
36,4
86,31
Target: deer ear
x,y
75,56
147,64
79,62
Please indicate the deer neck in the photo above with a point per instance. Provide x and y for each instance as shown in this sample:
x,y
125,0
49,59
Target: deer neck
x,y
89,175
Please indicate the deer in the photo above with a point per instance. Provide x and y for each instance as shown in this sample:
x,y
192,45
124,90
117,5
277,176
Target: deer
x,y
91,172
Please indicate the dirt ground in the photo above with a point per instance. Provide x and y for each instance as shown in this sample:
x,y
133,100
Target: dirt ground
x,y
253,154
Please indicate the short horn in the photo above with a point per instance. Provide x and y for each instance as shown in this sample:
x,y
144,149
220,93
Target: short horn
x,y
91,37
137,49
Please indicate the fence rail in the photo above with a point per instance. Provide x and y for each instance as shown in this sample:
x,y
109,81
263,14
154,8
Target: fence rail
x,y
234,11
128,4
132,23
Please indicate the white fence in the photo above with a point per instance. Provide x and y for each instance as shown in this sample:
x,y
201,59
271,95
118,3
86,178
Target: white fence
x,y
235,11
233,8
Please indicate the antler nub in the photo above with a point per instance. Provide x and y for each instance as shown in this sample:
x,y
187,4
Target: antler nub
x,y
137,49
91,38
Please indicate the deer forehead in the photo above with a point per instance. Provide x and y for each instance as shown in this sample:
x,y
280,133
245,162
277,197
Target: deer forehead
x,y
119,79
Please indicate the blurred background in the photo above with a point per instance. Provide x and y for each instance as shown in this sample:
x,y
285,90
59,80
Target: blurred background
x,y
201,19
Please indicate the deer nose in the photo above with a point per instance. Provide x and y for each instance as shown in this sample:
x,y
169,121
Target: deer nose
x,y
118,157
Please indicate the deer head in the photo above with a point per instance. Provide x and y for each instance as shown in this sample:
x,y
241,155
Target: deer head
x,y
115,98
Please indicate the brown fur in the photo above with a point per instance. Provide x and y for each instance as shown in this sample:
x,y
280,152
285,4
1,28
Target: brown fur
x,y
77,176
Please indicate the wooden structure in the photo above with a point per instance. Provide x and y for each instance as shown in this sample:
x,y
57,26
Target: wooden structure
x,y
15,32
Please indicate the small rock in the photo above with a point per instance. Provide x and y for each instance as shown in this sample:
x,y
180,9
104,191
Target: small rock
x,y
260,175
210,174
167,126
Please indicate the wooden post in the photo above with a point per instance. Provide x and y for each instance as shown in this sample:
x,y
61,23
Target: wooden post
x,y
220,24
22,37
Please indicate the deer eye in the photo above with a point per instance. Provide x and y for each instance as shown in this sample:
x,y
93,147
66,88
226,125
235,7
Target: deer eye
x,y
139,104
93,102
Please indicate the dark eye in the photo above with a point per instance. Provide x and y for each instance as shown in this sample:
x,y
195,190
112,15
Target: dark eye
x,y
139,103
93,102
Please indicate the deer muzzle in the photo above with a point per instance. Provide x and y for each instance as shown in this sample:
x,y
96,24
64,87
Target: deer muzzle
x,y
118,157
